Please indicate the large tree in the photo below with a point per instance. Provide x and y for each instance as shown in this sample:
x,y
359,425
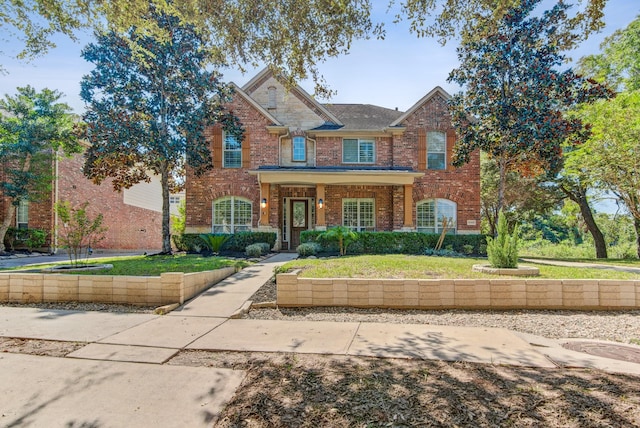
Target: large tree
x,y
515,93
292,35
612,152
148,116
34,127
618,63
524,198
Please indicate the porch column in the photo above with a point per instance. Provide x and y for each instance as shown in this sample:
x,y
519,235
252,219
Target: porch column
x,y
320,218
264,212
408,205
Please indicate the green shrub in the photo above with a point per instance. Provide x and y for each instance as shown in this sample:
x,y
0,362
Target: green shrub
x,y
503,250
238,242
253,250
400,243
308,249
214,241
25,238
241,240
342,235
264,247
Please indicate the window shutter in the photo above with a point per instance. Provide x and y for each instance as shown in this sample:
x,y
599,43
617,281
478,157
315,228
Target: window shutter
x,y
246,151
216,146
451,141
422,150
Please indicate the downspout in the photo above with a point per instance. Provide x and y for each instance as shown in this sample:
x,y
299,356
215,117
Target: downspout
x,y
55,198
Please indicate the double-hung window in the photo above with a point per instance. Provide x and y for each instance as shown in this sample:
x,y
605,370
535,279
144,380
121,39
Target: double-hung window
x,y
358,151
231,214
432,213
359,214
299,149
232,152
22,215
436,150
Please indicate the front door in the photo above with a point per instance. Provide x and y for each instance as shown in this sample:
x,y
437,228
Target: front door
x,y
299,221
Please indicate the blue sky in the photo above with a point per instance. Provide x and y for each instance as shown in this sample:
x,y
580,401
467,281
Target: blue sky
x,y
395,72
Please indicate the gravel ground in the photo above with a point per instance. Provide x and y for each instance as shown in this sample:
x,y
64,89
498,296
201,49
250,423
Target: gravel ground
x,y
85,306
619,326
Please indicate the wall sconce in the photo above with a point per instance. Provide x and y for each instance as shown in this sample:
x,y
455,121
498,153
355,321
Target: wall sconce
x,y
320,203
263,203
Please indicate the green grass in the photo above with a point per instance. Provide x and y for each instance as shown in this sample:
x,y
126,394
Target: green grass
x,y
402,266
153,265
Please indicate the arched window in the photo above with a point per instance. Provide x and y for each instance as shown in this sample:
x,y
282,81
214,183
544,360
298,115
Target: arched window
x,y
430,214
231,214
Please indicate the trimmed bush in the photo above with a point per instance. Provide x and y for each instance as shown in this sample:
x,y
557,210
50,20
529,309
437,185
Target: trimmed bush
x,y
400,243
264,247
308,249
253,250
192,243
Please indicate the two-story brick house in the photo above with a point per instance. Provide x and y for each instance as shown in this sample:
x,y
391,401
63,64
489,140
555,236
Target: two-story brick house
x,y
305,165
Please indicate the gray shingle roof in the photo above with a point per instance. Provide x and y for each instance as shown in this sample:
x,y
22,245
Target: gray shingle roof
x,y
363,116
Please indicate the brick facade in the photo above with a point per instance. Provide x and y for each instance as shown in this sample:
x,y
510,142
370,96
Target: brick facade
x,y
129,227
271,174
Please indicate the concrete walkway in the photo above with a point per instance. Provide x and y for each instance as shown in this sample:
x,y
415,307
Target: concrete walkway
x,y
56,390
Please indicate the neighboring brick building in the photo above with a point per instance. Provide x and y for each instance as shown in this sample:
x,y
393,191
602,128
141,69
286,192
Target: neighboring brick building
x,y
133,217
305,165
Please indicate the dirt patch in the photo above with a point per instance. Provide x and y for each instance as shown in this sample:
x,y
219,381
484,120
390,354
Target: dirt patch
x,y
284,390
50,348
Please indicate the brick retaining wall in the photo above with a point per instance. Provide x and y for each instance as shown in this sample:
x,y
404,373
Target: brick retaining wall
x,y
459,293
170,287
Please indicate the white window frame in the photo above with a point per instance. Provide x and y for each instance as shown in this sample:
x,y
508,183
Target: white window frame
x,y
22,214
231,223
302,140
230,139
431,151
440,207
363,221
174,200
361,155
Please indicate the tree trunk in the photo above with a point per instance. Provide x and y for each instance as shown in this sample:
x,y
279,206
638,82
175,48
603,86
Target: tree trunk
x,y
579,196
166,215
501,187
10,212
6,223
636,225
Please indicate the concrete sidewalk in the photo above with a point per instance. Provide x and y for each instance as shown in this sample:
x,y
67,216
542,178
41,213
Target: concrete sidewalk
x,y
55,390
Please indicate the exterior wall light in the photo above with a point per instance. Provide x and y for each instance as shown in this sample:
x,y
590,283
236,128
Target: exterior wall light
x,y
263,203
320,203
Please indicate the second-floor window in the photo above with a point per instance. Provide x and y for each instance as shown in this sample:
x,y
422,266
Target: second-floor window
x,y
232,152
358,151
299,149
436,150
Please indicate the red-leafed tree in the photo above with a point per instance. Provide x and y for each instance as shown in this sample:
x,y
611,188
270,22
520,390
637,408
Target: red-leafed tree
x,y
515,93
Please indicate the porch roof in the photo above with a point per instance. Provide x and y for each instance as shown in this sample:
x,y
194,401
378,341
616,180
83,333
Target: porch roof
x,y
375,176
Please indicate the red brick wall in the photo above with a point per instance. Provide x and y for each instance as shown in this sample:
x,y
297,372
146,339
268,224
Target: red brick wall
x,y
129,227
460,185
216,183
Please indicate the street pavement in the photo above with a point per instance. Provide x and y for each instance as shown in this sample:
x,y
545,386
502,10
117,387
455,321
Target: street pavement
x,y
119,378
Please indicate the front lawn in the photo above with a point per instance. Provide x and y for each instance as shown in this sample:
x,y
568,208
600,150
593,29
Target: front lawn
x,y
155,265
404,266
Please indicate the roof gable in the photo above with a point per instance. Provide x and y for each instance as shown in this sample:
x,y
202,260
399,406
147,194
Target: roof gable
x,y
437,91
254,104
296,100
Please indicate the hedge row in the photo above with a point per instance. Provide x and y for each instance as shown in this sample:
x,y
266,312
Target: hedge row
x,y
237,242
401,243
